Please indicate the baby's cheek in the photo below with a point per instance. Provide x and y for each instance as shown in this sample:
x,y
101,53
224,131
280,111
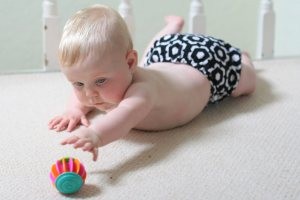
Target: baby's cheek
x,y
117,92
113,98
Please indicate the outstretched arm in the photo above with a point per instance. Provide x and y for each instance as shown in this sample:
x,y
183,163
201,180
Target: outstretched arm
x,y
115,124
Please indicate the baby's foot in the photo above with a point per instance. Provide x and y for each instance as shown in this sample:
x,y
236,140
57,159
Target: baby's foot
x,y
176,21
246,58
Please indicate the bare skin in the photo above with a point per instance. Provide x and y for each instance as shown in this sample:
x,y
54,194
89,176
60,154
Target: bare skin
x,y
152,98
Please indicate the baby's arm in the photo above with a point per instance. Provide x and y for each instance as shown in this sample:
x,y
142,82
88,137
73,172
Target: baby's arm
x,y
115,124
75,114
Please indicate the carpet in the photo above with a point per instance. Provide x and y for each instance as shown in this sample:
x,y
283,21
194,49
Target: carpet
x,y
242,148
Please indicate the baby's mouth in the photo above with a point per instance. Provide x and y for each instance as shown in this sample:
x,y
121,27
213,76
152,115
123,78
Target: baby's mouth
x,y
95,102
99,104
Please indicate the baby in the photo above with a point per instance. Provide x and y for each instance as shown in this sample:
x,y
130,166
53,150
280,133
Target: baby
x,y
182,74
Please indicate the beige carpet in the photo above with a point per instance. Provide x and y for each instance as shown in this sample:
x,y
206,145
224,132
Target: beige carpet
x,y
246,148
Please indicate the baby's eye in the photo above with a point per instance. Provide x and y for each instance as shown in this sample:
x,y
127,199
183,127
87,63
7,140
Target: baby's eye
x,y
100,81
77,84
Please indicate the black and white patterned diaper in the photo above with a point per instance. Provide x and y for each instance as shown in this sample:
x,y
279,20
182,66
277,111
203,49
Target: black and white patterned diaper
x,y
217,60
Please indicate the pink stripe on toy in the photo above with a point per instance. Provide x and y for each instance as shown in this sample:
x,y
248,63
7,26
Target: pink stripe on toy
x,y
67,165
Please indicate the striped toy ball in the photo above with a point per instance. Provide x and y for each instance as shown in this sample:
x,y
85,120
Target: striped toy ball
x,y
68,175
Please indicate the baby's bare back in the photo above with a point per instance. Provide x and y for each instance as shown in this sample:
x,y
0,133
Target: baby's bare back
x,y
180,93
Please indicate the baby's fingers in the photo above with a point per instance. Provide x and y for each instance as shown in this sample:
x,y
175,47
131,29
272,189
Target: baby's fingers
x,y
53,122
80,143
85,121
87,146
72,124
70,140
62,125
95,153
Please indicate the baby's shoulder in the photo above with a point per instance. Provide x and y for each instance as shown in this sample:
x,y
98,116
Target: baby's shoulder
x,y
141,86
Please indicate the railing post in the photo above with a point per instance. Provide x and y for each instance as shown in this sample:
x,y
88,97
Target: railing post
x,y
197,17
125,10
266,30
51,35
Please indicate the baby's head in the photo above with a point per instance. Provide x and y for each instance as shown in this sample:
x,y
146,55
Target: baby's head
x,y
93,31
97,56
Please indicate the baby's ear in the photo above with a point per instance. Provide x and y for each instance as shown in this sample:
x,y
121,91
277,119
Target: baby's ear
x,y
132,58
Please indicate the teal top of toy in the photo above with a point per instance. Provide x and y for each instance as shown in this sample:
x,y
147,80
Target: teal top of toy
x,y
68,175
68,183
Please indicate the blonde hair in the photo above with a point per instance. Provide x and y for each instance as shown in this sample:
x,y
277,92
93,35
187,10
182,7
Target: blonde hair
x,y
93,31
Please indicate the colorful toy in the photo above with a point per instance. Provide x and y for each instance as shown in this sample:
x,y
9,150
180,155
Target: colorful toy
x,y
68,175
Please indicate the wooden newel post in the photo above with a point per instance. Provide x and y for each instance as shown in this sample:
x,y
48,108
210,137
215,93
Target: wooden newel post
x,y
266,30
51,35
125,10
197,17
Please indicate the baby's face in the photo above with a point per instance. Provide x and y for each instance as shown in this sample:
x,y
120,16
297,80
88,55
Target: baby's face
x,y
101,83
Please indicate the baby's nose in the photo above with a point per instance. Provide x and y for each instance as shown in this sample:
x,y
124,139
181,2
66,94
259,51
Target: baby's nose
x,y
91,93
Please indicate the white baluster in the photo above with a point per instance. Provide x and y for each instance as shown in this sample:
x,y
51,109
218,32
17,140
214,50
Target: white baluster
x,y
51,35
125,10
197,17
266,30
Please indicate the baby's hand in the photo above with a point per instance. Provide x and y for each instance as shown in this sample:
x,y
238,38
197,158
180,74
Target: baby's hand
x,y
86,139
68,121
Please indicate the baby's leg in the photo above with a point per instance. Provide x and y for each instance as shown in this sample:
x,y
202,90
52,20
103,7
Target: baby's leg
x,y
247,81
174,24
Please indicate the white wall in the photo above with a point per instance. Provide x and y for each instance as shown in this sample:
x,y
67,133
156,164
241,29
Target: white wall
x,y
287,32
20,35
232,20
